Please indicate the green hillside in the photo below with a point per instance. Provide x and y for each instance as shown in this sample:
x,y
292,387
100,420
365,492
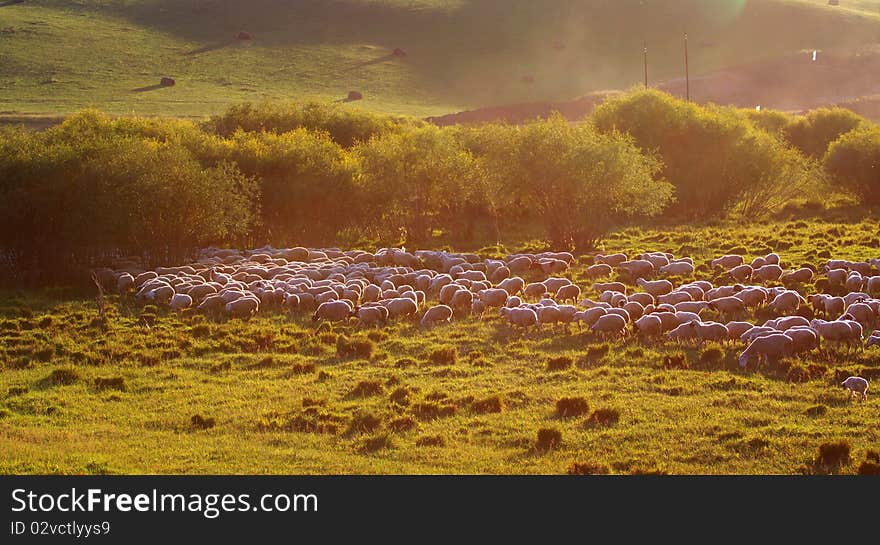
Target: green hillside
x,y
59,56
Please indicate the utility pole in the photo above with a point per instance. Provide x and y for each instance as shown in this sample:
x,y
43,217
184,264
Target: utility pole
x,y
687,77
646,65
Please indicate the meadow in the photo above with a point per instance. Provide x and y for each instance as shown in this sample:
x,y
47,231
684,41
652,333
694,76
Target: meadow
x,y
57,57
145,390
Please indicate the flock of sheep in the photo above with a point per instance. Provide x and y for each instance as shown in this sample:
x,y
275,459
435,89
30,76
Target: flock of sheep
x,y
436,287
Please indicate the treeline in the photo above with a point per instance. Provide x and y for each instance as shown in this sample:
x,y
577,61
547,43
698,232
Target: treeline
x,y
317,174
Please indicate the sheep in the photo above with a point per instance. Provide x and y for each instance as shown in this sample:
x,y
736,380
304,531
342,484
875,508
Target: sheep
x,y
787,322
741,273
736,330
569,292
857,386
371,316
400,307
600,270
668,320
752,297
437,314
610,324
799,276
512,285
553,284
727,261
519,265
711,331
534,290
787,302
836,277
124,283
461,299
243,307
552,266
548,315
683,333
495,297
728,306
333,311
619,287
637,268
656,259
836,332
633,309
768,273
675,297
757,331
677,268
180,301
478,308
499,274
804,339
873,340
589,316
769,348
854,282
613,260
649,326
521,317
144,277
655,287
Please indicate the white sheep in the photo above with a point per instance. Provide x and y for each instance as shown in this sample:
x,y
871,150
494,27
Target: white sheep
x,y
400,307
787,302
768,348
768,273
610,324
677,268
493,298
736,330
569,292
857,386
741,273
521,317
180,301
727,261
513,285
333,311
649,326
369,316
436,315
243,307
600,270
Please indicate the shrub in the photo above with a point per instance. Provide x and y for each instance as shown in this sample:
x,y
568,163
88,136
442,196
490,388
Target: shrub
x,y
814,132
715,157
588,468
346,126
110,383
559,364
571,406
548,439
200,423
354,347
443,356
604,417
491,404
63,377
853,162
430,441
579,182
365,388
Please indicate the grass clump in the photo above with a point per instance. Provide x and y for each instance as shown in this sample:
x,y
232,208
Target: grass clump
x,y
568,407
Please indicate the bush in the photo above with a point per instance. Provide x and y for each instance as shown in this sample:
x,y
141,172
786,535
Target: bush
x,y
853,162
548,439
346,126
814,132
571,406
577,181
713,156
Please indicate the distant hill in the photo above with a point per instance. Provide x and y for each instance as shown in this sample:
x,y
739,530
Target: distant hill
x,y
59,56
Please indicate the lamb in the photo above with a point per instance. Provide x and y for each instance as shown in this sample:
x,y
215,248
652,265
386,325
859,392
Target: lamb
x,y
727,261
569,292
769,348
610,324
655,287
180,301
436,315
857,386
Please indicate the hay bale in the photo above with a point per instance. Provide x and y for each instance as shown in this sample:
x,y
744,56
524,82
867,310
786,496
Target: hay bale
x,y
167,82
355,95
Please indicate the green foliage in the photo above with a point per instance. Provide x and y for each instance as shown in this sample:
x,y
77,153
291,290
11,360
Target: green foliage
x,y
576,181
417,181
346,126
853,162
716,158
814,132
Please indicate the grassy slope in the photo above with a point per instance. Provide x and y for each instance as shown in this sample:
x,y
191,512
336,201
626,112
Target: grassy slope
x,y
712,418
58,56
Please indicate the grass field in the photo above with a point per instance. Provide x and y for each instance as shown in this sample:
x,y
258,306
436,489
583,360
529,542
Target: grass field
x,y
60,56
275,395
